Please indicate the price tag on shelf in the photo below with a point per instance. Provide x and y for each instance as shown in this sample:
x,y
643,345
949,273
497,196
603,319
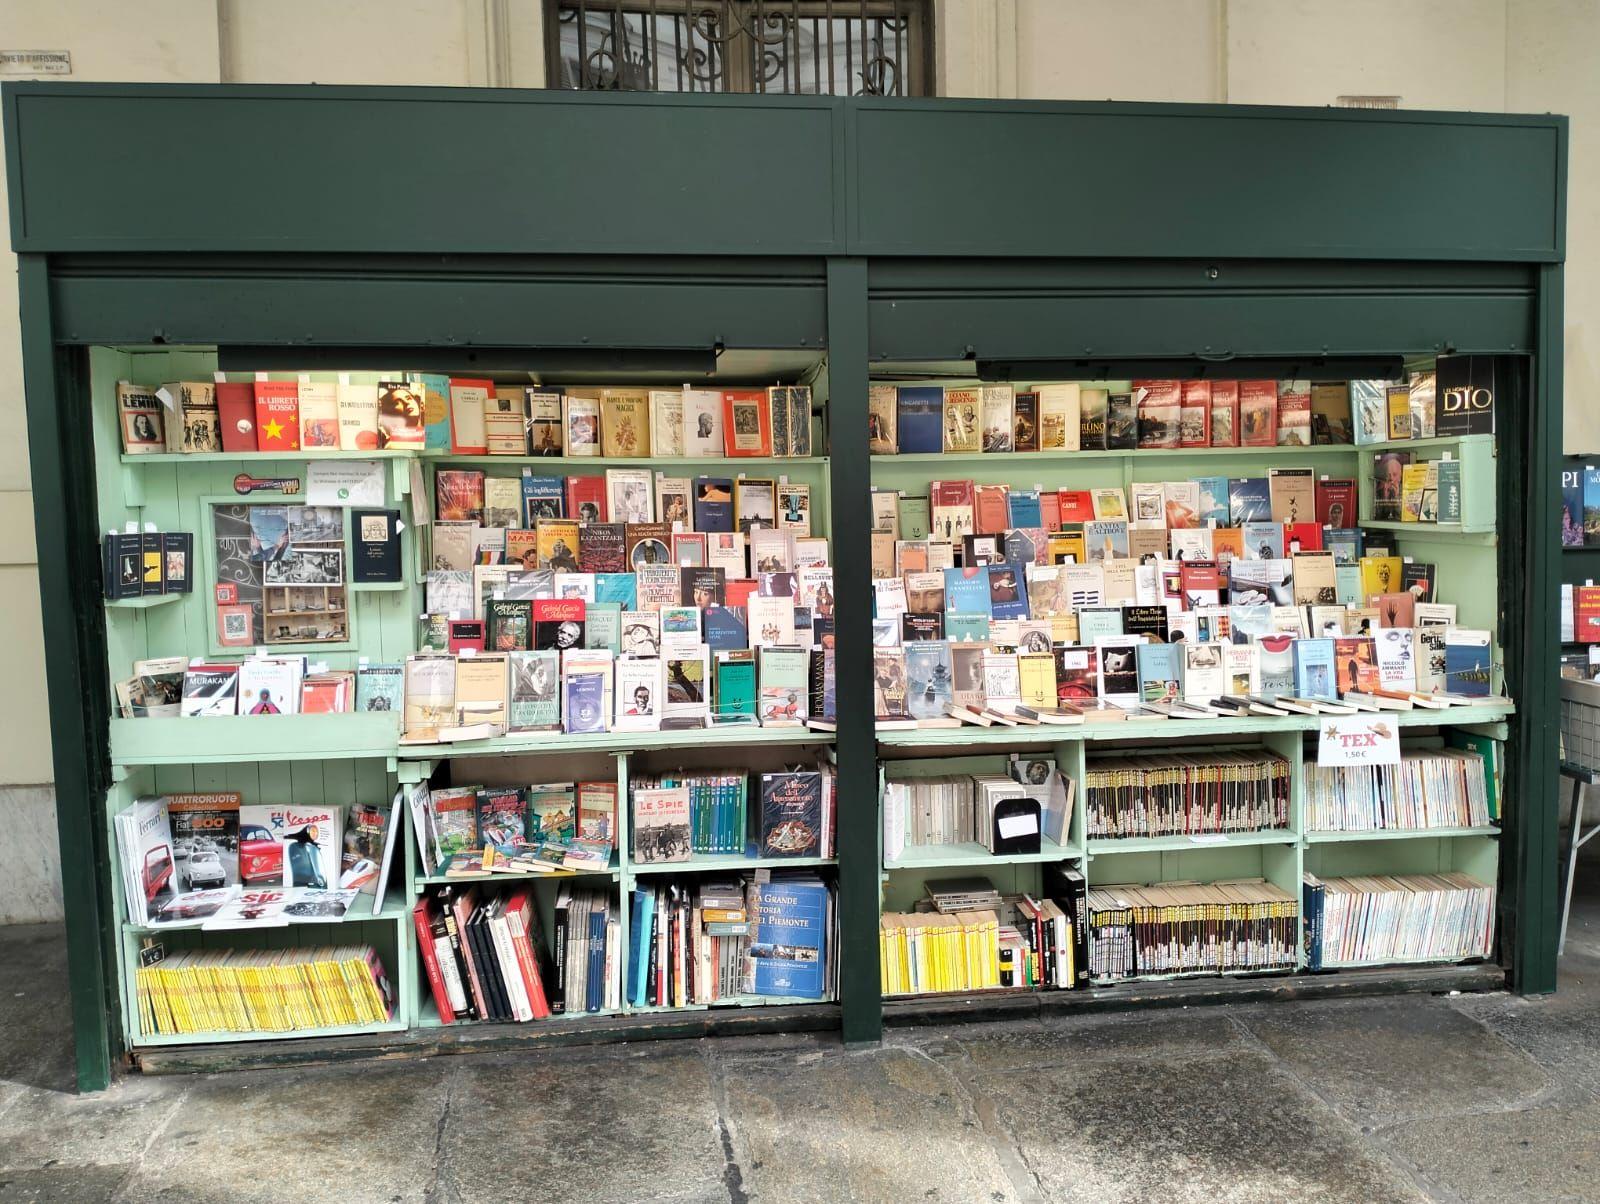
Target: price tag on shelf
x,y
1358,740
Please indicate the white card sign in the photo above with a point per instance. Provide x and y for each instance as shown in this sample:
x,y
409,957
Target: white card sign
x,y
344,483
1358,740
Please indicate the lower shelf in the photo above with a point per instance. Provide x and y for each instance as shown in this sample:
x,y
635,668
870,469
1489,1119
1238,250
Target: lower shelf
x,y
305,1034
931,856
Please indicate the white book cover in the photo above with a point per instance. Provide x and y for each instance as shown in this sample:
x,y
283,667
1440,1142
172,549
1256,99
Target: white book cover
x,y
1117,669
1190,543
1436,614
1119,582
888,597
1060,412
270,685
1181,503
1002,681
1109,502
467,403
453,545
771,621
641,693
725,550
600,662
1396,655
689,683
319,415
680,629
702,422
149,866
771,550
629,495
1204,676
1147,506
1083,585
1429,661
816,589
666,422
811,551
358,416
1241,665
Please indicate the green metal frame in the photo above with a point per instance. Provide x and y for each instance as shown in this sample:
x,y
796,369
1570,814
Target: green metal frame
x,y
840,226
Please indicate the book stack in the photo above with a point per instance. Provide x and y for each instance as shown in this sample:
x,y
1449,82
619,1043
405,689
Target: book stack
x,y
1415,491
1414,917
1438,788
1220,928
544,828
1179,794
677,816
715,803
954,809
485,957
178,687
144,563
927,952
262,990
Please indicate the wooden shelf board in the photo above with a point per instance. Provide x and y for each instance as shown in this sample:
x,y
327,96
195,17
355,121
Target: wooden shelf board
x,y
1397,834
726,464
1154,453
730,862
935,856
260,457
395,908
344,1030
143,601
1099,846
614,873
226,738
558,744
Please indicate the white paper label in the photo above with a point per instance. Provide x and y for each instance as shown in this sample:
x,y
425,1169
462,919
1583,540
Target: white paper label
x,y
1012,826
344,483
1358,740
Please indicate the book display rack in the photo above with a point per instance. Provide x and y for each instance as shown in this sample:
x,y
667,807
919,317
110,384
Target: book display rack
x,y
1232,855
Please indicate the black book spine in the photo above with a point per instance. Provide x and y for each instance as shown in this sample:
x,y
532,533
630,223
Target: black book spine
x,y
442,927
651,995
108,565
453,930
558,943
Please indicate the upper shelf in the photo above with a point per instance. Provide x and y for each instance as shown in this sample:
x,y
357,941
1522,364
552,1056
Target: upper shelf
x,y
729,463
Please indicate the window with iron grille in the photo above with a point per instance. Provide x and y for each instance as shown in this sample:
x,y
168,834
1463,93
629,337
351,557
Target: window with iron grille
x,y
806,47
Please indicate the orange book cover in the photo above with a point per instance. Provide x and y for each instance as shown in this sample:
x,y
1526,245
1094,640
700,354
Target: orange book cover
x,y
746,422
993,512
1258,413
1224,413
277,415
1586,613
1194,414
1355,664
1077,506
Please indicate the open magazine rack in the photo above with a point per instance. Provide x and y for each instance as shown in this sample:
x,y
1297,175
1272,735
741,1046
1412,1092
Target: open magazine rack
x,y
832,274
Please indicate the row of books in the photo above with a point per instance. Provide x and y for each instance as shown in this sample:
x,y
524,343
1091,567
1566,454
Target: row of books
x,y
1186,928
261,990
1408,917
1420,491
140,563
182,858
680,815
941,683
1429,788
180,687
460,416
1580,505
1184,794
485,956
482,695
1071,416
474,506
953,809
718,940
469,829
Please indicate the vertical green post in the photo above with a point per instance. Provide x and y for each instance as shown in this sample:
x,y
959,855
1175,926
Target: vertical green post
x,y
1536,685
850,512
74,667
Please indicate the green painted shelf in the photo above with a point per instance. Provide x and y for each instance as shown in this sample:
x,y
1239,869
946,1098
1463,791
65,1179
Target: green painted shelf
x,y
1435,443
556,744
728,1003
228,738
1397,834
1155,730
1154,453
143,602
1483,535
394,909
1100,846
601,463
342,1030
428,1017
933,856
704,862
614,872
260,457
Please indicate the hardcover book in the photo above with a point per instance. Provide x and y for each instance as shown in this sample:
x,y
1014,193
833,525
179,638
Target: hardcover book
x,y
962,419
920,421
624,423
1294,413
1224,413
193,422
1194,418
1025,432
882,423
1330,412
1160,405
1060,416
661,824
666,422
505,421
746,422
543,408
1092,407
702,422
791,814
1258,413
1464,398
142,419
236,416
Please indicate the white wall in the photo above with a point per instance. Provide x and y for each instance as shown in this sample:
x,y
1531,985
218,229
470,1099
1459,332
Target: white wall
x,y
1518,55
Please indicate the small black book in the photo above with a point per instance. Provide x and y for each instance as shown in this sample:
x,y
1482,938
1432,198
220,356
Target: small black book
x,y
377,545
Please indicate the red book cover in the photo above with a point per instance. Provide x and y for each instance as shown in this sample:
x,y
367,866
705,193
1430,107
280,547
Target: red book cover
x,y
1075,676
553,622
465,634
1200,582
236,411
1077,506
1586,613
737,591
1160,408
1258,413
322,697
992,506
422,920
1050,510
1355,664
1194,419
519,913
1395,610
1224,413
746,422
1301,537
587,492
277,415
1294,416
458,495
1336,502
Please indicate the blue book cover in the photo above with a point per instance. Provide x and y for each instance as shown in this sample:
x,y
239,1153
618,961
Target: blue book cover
x,y
789,938
437,430
617,587
1025,511
1591,503
1008,593
543,497
966,591
1263,541
1158,672
1248,501
920,418
644,906
1313,669
1214,503
961,628
1466,664
1347,584
713,504
1571,507
929,684
596,993
583,707
1344,543
725,627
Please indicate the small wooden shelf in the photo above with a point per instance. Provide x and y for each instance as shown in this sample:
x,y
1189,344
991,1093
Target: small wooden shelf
x,y
395,908
1397,834
1433,443
613,872
1483,535
143,602
724,862
1100,846
260,457
729,464
224,739
1041,457
934,856
559,744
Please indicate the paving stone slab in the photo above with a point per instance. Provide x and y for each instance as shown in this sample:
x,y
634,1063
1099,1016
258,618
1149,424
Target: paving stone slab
x,y
61,1185
1385,1060
874,1125
1561,1032
37,1050
1201,1032
625,1128
1542,1154
54,1128
1140,1129
349,1133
